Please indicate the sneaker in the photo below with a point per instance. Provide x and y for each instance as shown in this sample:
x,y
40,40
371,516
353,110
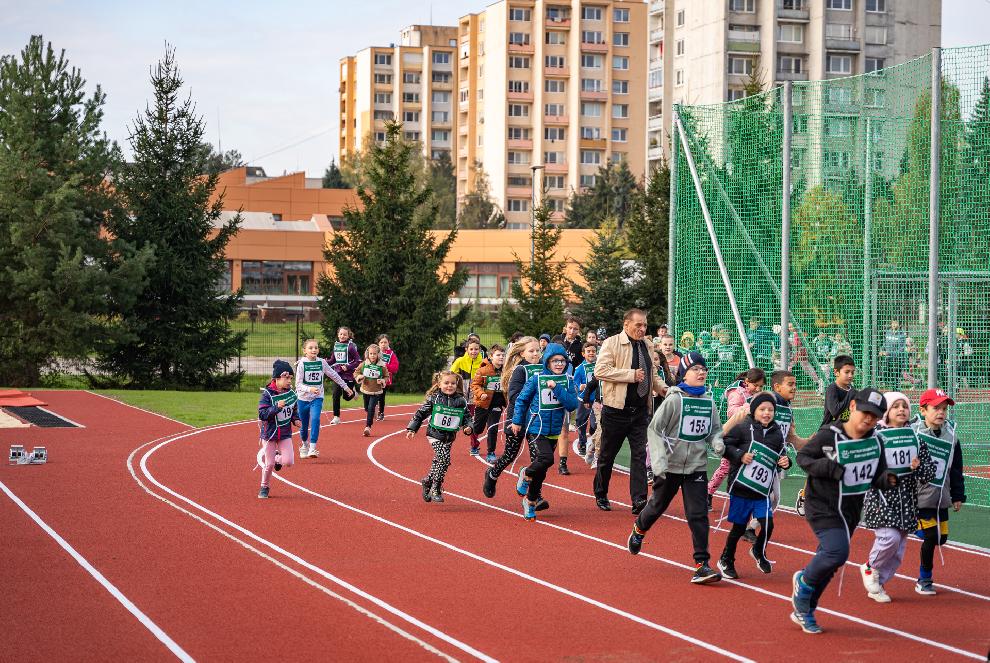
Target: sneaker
x,y
762,563
426,483
710,508
335,421
381,416
475,451
638,507
603,503
303,450
263,495
727,567
590,456
649,476
541,504
490,459
925,586
919,534
634,542
704,575
582,448
881,596
806,621
314,452
436,495
594,461
750,535
801,595
529,510
799,505
562,467
367,432
489,486
522,484
870,580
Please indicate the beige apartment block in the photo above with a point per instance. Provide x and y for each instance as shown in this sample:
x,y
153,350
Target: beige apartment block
x,y
560,85
413,82
703,51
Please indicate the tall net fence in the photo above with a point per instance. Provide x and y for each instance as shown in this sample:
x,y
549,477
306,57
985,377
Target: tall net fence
x,y
859,237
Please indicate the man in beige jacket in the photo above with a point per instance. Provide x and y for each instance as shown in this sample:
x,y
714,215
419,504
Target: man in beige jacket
x,y
628,380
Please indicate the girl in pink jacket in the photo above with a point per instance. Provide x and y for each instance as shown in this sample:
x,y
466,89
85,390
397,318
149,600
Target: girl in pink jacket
x,y
392,361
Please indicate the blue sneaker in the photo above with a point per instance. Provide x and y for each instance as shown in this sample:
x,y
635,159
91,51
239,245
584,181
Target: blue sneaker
x,y
490,458
801,598
919,533
522,485
806,622
635,542
475,451
529,510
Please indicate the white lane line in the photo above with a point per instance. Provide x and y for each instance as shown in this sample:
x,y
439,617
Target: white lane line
x,y
135,407
611,544
299,560
100,578
950,588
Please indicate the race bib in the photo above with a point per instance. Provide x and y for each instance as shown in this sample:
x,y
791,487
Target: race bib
x,y
386,357
759,474
533,369
900,447
784,417
548,399
373,372
284,402
696,419
859,459
446,418
340,353
493,383
313,373
941,453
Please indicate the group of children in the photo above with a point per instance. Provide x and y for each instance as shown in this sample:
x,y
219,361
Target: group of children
x,y
869,460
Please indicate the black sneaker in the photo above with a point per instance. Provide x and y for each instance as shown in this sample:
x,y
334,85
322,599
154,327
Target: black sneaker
x,y
436,495
562,468
381,416
426,483
489,487
762,563
635,542
263,493
541,504
750,535
582,448
704,575
727,567
638,507
603,503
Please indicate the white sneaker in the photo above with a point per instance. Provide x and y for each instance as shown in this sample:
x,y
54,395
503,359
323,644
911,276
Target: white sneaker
x,y
304,451
335,421
870,580
594,462
314,452
880,597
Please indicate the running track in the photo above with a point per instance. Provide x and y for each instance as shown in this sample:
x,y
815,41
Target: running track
x,y
174,557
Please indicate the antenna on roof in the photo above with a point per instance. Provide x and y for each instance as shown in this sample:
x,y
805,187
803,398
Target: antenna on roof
x,y
431,13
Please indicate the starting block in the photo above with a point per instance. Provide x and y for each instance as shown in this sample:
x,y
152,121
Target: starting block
x,y
18,456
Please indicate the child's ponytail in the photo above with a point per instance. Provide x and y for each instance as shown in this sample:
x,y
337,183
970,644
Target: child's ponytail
x,y
513,358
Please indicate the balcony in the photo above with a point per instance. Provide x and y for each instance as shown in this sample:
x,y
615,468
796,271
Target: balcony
x,y
520,143
519,96
655,93
555,168
555,72
845,45
518,192
656,35
594,47
558,22
521,48
594,95
656,6
655,122
793,11
655,152
593,143
556,119
791,76
743,41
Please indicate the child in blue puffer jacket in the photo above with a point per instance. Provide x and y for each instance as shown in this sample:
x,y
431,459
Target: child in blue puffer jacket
x,y
540,410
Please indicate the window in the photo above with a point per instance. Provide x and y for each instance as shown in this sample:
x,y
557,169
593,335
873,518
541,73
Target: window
x,y
592,37
680,18
791,33
518,110
412,77
797,158
519,86
620,111
838,64
517,205
464,95
878,160
591,133
679,77
518,62
411,136
875,35
838,127
519,180
267,277
877,128
441,76
553,157
797,96
591,85
787,64
440,97
380,136
735,94
740,66
556,204
383,97
591,109
838,31
620,62
410,116
519,14
875,97
878,6
748,6
836,160
383,115
620,15
554,133
383,58
554,182
440,117
620,87
518,158
679,48
554,110
554,85
519,38
800,124
557,14
554,61
840,96
839,4
619,157
620,135
873,64
589,61
441,57
519,133
588,181
620,38
591,13
440,135
556,37
383,79
792,4
410,97
591,157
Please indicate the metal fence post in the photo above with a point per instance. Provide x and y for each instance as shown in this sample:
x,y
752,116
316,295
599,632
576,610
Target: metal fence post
x,y
672,238
785,230
867,252
933,217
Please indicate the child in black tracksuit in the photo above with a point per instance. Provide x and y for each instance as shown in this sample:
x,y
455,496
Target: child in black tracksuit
x,y
744,499
446,408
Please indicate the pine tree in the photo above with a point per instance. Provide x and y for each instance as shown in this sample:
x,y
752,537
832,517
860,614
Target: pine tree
x,y
332,178
60,282
646,238
386,268
217,162
478,210
180,335
614,195
540,292
610,290
443,183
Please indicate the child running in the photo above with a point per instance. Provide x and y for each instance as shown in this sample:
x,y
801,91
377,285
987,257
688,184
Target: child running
x,y
446,409
466,366
489,399
310,370
278,413
392,362
945,488
842,461
540,410
372,375
345,360
582,374
592,398
747,385
756,450
892,513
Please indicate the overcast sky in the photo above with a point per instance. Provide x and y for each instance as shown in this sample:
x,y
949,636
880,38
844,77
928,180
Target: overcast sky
x,y
264,75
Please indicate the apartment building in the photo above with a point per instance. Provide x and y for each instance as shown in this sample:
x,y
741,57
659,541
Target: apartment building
x,y
703,52
413,82
551,89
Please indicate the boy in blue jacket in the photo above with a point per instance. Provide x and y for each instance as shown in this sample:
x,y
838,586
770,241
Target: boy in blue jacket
x,y
540,411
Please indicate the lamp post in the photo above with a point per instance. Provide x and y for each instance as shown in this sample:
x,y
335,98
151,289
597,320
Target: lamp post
x,y
532,235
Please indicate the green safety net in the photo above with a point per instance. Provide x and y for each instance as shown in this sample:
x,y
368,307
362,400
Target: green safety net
x,y
859,199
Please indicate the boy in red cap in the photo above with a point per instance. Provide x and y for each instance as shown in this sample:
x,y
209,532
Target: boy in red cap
x,y
948,486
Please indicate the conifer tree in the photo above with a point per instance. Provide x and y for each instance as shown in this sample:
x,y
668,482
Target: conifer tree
x,y
180,334
646,239
332,177
609,290
386,268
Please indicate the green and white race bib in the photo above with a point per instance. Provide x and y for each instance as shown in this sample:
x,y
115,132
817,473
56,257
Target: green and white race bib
x,y
696,419
373,371
941,453
446,418
784,417
548,399
900,447
340,353
284,403
859,459
533,369
386,357
493,383
313,373
759,474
